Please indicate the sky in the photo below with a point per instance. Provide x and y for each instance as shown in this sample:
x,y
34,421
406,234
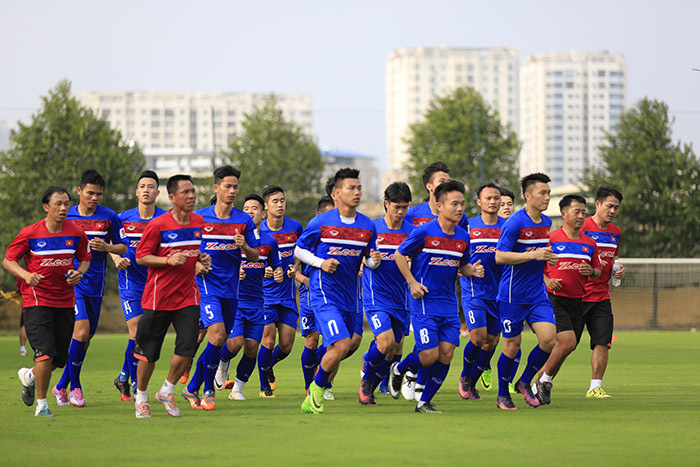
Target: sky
x,y
334,51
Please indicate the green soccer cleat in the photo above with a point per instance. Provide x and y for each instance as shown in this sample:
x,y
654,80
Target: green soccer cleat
x,y
28,387
511,388
598,393
427,408
486,379
43,412
316,398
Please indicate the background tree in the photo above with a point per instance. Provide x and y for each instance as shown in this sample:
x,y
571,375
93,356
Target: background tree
x,y
448,133
272,150
659,180
62,140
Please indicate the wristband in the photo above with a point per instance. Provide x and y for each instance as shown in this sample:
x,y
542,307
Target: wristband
x,y
167,258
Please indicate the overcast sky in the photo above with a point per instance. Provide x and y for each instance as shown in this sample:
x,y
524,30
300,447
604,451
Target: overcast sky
x,y
334,51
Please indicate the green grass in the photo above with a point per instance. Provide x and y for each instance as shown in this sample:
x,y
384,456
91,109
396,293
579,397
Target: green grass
x,y
654,417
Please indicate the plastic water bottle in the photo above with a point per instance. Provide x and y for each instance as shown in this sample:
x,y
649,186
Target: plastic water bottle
x,y
616,267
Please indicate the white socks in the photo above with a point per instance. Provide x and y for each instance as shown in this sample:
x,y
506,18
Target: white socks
x,y
167,388
141,396
545,378
595,383
238,385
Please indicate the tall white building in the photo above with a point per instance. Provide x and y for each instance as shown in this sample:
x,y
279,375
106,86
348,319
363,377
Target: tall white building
x,y
182,132
414,76
568,100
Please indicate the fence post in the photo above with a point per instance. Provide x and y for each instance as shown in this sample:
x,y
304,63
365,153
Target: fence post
x,y
655,297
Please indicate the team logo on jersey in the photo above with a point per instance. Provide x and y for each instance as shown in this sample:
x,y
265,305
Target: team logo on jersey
x,y
41,244
208,228
51,263
333,232
435,243
390,238
528,233
340,251
485,249
438,261
560,247
380,239
69,242
131,228
477,232
172,236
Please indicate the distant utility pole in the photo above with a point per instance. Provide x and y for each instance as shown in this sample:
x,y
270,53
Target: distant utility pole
x,y
479,153
213,141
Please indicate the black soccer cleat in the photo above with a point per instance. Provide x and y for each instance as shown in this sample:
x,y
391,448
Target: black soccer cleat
x,y
544,392
123,388
427,407
505,403
394,382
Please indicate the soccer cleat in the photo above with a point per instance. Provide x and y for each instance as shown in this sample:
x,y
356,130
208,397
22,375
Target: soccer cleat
x,y
383,387
221,376
272,380
543,391
511,388
61,396
427,408
525,390
267,393
208,401
408,387
328,394
229,384
418,393
76,397
363,365
28,387
316,398
394,381
192,398
505,403
43,412
186,375
306,405
466,391
364,393
237,396
143,410
486,379
123,388
22,353
598,393
168,401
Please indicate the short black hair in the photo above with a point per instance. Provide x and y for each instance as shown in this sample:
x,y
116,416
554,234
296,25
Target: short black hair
x,y
529,180
486,185
506,192
271,190
323,202
255,197
174,182
398,192
344,173
604,191
330,184
226,171
149,174
568,199
448,187
48,193
92,177
430,170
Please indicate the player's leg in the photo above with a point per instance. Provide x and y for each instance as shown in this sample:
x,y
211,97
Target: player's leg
x,y
475,311
132,313
425,354
380,323
600,327
266,345
448,340
22,335
78,346
150,334
307,323
233,345
512,322
252,333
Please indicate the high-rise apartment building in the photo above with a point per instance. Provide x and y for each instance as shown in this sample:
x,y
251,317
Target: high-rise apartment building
x,y
414,76
568,101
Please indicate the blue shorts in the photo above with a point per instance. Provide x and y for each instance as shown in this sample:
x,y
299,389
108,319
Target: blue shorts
x,y
382,321
359,322
88,308
480,313
513,315
307,321
249,323
214,310
335,324
429,330
279,313
131,308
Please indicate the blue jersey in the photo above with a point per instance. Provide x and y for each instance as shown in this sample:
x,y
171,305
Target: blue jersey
x,y
329,237
437,258
103,223
523,283
283,292
218,241
483,239
421,214
385,287
132,280
250,293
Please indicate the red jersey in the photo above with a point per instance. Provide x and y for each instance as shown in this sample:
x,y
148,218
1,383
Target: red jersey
x,y
572,254
171,287
51,255
608,242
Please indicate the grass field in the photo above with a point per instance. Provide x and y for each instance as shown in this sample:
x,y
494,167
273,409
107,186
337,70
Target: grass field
x,y
654,417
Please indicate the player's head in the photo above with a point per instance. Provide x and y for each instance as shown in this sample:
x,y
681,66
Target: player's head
x,y
91,188
573,211
254,205
226,184
435,174
181,192
147,187
347,189
56,201
607,203
449,200
275,201
488,197
326,203
536,190
330,184
397,199
507,203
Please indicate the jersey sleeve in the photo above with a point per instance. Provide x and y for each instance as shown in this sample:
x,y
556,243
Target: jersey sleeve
x,y
509,235
273,258
310,235
413,243
464,223
372,245
82,253
250,237
116,231
595,259
149,241
18,248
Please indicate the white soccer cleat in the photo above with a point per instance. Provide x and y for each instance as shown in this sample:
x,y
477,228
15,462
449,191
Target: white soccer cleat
x,y
236,395
221,375
408,386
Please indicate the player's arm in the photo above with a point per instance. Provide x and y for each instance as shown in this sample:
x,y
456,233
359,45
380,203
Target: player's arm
x,y
248,242
472,270
513,258
74,276
552,283
328,265
98,244
375,257
417,289
120,262
14,268
621,273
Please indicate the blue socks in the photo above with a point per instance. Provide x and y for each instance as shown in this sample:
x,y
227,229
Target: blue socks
x,y
374,359
264,365
471,351
437,373
198,377
71,373
131,360
211,363
245,368
421,376
321,378
505,368
410,363
535,360
516,364
126,371
308,365
226,355
278,355
481,363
